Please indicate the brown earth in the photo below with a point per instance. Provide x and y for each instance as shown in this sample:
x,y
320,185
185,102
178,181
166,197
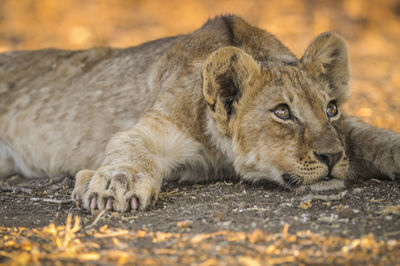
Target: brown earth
x,y
217,223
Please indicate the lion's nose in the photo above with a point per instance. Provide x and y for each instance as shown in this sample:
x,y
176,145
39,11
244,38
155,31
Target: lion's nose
x,y
330,159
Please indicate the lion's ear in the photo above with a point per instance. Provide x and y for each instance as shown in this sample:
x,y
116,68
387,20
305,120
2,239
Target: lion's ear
x,y
326,58
226,74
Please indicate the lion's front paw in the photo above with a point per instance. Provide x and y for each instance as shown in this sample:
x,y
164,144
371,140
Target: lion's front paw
x,y
389,161
396,172
396,158
114,189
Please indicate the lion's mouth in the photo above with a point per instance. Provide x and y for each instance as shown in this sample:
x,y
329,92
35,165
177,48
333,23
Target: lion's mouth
x,y
327,178
295,181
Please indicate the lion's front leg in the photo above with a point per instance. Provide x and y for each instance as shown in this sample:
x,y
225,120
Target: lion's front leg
x,y
136,162
372,151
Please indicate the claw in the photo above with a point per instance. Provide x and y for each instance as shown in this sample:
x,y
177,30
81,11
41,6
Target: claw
x,y
134,203
78,201
93,203
109,204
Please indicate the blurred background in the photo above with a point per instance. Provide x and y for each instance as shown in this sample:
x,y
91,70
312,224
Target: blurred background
x,y
371,29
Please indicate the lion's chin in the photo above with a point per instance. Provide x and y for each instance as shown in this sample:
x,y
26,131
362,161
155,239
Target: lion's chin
x,y
324,185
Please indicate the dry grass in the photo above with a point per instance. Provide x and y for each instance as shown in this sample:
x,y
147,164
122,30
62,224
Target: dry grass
x,y
71,244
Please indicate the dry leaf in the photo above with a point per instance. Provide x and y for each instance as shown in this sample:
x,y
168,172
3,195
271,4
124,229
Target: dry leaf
x,y
184,224
391,209
306,204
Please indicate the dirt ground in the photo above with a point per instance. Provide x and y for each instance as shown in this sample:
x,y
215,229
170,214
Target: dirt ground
x,y
362,209
228,222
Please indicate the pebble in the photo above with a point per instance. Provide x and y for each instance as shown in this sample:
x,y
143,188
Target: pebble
x,y
220,216
346,213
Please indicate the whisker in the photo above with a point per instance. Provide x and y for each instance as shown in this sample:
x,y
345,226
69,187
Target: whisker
x,y
295,180
362,158
351,175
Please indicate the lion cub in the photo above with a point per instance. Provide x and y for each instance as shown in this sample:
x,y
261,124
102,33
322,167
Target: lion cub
x,y
228,99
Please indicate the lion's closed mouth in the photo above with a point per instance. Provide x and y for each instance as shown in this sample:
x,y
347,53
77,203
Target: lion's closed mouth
x,y
327,178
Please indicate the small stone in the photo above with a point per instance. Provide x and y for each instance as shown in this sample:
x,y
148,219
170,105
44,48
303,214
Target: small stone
x,y
346,213
388,218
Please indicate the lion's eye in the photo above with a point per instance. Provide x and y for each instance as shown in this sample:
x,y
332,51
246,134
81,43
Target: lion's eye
x,y
331,109
282,111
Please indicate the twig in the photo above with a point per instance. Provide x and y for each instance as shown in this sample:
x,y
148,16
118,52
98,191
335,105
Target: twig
x,y
392,233
56,201
169,193
311,197
16,189
57,185
123,218
101,214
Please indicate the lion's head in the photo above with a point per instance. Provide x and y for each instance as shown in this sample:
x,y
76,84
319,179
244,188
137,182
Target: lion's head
x,y
282,120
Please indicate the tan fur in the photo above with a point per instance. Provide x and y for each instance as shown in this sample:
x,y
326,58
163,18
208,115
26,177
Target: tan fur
x,y
191,107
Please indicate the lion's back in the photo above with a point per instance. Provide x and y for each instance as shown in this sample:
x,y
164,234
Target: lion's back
x,y
72,102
